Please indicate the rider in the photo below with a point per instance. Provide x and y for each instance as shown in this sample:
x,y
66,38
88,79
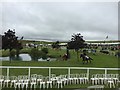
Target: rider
x,y
86,56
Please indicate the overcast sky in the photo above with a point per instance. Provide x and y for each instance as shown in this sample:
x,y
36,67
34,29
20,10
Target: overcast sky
x,y
59,20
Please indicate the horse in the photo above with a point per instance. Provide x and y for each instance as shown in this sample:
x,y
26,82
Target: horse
x,y
65,57
85,58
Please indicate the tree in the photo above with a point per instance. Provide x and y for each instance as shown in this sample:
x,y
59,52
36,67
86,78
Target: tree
x,y
56,45
68,53
10,41
77,42
35,53
44,53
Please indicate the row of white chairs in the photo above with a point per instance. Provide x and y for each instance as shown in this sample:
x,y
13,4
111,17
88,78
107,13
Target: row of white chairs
x,y
24,81
102,78
34,80
109,79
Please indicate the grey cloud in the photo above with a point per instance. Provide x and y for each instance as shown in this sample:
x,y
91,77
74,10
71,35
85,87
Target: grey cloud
x,y
60,20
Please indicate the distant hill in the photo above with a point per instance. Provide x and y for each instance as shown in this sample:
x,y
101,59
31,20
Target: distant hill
x,y
49,42
110,41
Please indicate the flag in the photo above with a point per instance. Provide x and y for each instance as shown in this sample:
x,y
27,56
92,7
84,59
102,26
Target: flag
x,y
106,37
21,38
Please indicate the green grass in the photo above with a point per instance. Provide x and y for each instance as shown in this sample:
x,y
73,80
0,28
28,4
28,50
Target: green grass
x,y
4,53
99,61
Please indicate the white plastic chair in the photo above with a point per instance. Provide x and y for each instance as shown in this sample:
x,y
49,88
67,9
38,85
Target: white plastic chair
x,y
70,78
13,79
59,82
6,80
22,81
75,78
19,82
34,76
85,78
65,79
48,82
98,76
42,83
118,82
53,78
115,77
33,83
1,80
111,83
94,79
39,78
80,78
102,78
25,81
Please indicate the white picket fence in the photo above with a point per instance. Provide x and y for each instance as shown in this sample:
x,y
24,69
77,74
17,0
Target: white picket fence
x,y
64,68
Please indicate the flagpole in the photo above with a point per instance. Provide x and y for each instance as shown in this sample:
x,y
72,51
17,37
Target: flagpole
x,y
106,40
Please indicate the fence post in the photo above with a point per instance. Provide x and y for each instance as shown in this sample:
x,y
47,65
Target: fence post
x,y
49,73
68,72
88,72
29,71
105,73
7,73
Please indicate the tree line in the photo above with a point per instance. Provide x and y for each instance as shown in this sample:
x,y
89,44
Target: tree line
x,y
10,41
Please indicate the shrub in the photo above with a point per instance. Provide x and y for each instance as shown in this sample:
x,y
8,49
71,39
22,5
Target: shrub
x,y
45,50
44,55
34,53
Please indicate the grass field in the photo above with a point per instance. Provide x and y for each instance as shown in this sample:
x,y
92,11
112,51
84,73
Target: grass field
x,y
99,61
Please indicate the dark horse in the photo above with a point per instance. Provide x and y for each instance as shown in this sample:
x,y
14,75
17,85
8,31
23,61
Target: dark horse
x,y
65,57
85,58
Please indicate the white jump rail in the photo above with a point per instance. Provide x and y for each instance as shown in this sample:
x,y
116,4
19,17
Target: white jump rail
x,y
49,69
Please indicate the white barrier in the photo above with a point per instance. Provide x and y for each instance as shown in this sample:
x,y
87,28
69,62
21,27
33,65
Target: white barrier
x,y
49,69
